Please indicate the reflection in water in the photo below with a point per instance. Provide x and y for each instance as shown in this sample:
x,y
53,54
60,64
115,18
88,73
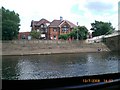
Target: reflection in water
x,y
59,65
102,64
24,69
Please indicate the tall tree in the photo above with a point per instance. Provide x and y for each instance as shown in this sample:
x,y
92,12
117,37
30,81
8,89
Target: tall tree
x,y
10,24
35,34
81,31
101,28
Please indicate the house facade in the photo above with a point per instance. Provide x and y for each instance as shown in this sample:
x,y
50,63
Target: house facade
x,y
41,26
54,29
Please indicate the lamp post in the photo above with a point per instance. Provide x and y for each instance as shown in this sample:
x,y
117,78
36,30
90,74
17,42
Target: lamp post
x,y
77,31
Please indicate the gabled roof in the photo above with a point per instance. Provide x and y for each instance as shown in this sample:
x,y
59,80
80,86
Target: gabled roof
x,y
58,23
37,23
55,23
68,22
42,21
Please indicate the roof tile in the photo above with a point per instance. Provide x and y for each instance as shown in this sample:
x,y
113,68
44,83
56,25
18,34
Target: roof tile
x,y
55,23
42,21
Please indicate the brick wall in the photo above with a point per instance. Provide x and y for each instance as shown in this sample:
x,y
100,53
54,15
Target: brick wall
x,y
21,34
53,33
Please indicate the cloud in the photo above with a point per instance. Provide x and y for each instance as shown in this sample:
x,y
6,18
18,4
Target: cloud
x,y
75,9
99,7
82,11
37,9
88,11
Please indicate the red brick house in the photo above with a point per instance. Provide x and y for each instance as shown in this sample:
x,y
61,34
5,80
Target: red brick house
x,y
53,29
58,27
41,26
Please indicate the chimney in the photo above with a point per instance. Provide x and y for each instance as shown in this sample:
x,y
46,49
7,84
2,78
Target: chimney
x,y
61,18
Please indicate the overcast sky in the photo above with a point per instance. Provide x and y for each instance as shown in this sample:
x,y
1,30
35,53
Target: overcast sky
x,y
83,11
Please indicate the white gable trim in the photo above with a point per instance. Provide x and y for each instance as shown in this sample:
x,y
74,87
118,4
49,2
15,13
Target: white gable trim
x,y
61,23
64,22
69,24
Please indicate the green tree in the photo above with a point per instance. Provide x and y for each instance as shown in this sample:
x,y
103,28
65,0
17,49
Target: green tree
x,y
10,24
35,34
82,32
64,36
101,28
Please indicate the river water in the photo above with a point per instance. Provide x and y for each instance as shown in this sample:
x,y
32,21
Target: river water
x,y
59,65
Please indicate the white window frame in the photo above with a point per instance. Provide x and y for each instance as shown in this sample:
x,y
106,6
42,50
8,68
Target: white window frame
x,y
54,37
54,29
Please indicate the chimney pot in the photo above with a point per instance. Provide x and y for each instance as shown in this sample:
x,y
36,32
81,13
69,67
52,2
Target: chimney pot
x,y
61,18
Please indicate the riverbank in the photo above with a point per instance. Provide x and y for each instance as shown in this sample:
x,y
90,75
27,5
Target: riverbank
x,y
53,51
43,48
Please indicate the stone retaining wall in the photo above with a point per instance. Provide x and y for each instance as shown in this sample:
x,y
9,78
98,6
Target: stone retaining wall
x,y
113,43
